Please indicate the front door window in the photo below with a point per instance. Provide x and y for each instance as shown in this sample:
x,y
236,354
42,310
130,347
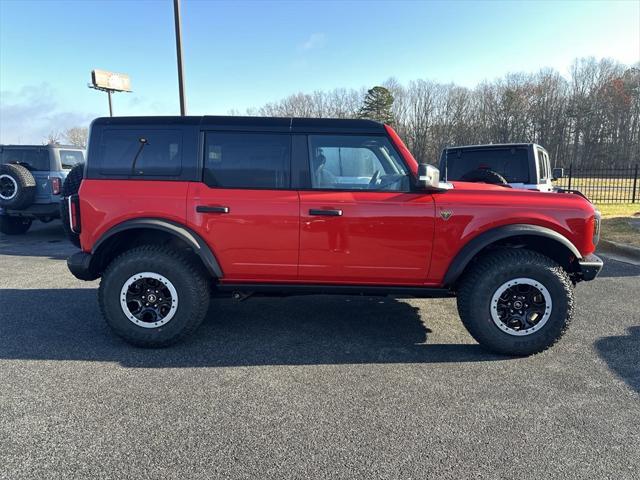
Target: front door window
x,y
353,162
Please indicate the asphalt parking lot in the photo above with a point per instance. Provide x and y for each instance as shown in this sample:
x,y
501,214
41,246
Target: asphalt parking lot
x,y
308,387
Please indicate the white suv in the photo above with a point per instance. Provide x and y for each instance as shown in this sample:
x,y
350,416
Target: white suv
x,y
519,165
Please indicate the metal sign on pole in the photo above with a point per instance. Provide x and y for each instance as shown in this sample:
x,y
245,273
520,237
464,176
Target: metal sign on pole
x,y
110,82
176,17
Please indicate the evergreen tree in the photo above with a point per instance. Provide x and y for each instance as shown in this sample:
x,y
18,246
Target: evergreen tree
x,y
377,105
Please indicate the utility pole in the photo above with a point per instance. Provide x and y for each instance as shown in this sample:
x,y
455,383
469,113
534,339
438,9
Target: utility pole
x,y
176,16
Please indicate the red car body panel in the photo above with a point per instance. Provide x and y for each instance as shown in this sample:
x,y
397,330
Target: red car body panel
x,y
258,239
382,238
476,208
104,205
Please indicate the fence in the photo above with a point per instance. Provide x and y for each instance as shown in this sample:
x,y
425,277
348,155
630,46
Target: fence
x,y
604,185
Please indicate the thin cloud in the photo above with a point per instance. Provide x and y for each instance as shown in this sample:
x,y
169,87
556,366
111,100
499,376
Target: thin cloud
x,y
315,40
31,113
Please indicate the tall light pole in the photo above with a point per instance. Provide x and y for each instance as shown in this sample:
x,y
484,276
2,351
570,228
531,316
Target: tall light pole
x,y
176,16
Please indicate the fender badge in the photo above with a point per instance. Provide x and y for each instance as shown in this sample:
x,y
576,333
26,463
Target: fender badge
x,y
446,214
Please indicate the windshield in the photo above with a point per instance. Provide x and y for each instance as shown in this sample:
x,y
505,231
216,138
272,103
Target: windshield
x,y
510,162
71,158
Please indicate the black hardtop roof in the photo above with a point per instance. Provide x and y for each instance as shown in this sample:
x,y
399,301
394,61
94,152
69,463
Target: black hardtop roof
x,y
272,124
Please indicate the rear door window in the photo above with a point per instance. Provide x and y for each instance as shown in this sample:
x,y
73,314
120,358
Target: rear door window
x,y
512,163
247,160
141,153
34,159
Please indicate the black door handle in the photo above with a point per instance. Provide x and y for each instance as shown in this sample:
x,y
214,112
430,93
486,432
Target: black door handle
x,y
326,213
210,209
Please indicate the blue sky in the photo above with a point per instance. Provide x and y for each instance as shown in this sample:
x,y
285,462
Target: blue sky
x,y
240,54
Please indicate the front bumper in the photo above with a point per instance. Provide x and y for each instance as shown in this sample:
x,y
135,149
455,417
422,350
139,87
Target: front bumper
x,y
590,267
79,265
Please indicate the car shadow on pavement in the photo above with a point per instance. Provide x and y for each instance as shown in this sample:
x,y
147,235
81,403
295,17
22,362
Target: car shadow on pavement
x,y
65,324
43,240
622,354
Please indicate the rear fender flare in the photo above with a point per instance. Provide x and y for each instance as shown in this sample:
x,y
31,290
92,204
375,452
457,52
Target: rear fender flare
x,y
191,238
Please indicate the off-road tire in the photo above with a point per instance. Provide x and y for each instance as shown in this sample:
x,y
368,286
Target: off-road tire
x,y
14,225
488,273
483,175
187,276
24,188
70,186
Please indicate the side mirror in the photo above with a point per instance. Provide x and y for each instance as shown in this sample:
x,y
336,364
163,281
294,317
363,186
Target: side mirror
x,y
557,173
428,176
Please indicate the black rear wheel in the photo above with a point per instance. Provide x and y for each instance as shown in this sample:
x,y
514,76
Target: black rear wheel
x,y
14,225
153,296
516,301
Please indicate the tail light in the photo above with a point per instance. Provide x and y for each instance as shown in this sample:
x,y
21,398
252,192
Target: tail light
x,y
55,185
73,203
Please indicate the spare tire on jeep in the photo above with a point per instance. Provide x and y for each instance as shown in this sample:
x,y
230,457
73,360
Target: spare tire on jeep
x,y
17,186
71,186
484,175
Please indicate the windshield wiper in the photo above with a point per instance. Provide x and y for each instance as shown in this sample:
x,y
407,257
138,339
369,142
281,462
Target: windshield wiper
x,y
143,142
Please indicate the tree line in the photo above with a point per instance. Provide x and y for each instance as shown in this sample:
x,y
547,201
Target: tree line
x,y
76,136
590,119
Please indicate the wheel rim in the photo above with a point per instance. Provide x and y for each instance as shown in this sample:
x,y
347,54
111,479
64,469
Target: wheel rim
x,y
8,187
149,299
521,306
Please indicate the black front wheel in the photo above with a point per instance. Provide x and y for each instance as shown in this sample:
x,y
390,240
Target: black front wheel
x,y
153,296
516,301
14,225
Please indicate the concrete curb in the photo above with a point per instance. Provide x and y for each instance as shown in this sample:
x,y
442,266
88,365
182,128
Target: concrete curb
x,y
622,249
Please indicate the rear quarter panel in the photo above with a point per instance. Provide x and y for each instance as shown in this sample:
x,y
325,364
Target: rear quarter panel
x,y
105,204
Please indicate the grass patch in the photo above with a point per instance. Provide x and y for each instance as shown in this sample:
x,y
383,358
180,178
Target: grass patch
x,y
621,223
609,210
619,229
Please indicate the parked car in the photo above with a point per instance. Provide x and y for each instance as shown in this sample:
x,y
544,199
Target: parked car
x,y
31,178
519,165
174,209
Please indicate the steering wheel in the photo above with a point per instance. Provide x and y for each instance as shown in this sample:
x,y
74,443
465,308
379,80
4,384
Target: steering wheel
x,y
374,179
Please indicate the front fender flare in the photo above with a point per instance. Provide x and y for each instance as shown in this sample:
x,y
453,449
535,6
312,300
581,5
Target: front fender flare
x,y
473,247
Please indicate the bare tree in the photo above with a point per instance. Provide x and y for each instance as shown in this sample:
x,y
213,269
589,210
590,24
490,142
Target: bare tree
x,y
53,138
591,118
76,136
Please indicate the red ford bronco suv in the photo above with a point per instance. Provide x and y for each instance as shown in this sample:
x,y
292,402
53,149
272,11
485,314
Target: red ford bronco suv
x,y
172,211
